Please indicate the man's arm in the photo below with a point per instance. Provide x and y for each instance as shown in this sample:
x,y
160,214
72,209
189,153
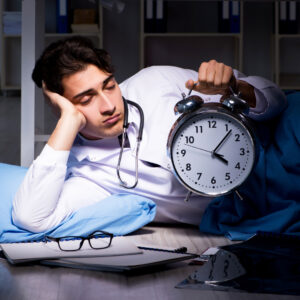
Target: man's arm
x,y
46,197
36,203
265,99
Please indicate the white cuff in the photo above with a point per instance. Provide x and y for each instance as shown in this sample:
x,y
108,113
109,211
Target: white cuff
x,y
50,156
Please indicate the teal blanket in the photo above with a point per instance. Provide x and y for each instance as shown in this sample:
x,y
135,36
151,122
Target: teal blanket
x,y
119,214
272,193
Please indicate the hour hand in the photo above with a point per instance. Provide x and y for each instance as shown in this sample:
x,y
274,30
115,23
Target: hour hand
x,y
220,157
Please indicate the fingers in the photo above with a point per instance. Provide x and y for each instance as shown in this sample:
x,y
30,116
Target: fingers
x,y
190,84
214,74
59,103
213,77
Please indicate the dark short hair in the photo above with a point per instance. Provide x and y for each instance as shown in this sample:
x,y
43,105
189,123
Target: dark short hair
x,y
66,57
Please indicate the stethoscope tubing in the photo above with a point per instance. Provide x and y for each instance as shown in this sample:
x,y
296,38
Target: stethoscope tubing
x,y
138,141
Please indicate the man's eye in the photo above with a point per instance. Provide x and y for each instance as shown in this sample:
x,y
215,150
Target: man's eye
x,y
110,87
85,100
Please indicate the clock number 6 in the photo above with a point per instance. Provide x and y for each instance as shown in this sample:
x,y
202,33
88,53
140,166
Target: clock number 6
x,y
213,180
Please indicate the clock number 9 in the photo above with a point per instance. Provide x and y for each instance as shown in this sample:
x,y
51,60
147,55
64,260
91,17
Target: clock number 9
x,y
183,152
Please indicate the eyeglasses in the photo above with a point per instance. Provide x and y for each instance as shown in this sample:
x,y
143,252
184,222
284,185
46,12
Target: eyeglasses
x,y
97,240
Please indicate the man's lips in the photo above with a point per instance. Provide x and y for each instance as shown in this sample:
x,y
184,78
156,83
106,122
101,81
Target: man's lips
x,y
112,120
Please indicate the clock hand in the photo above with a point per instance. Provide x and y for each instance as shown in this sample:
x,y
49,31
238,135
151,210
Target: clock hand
x,y
198,148
220,157
222,141
217,155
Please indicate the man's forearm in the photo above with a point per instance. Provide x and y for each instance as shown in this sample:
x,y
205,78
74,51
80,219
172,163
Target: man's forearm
x,y
64,133
246,92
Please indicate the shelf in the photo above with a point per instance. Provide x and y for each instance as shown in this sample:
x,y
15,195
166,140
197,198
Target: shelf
x,y
11,35
42,137
191,34
193,28
96,34
12,87
10,49
289,81
288,36
56,34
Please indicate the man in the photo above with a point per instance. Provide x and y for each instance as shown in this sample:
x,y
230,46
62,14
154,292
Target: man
x,y
77,167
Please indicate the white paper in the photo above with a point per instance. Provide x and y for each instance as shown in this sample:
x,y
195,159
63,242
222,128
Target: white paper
x,y
20,252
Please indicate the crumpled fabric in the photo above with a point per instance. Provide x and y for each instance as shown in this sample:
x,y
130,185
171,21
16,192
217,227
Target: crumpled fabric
x,y
119,214
271,193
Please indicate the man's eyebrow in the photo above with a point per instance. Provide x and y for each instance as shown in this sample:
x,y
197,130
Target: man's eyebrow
x,y
82,94
105,82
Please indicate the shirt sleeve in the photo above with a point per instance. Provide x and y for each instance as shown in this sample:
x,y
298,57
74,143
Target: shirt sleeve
x,y
270,100
45,198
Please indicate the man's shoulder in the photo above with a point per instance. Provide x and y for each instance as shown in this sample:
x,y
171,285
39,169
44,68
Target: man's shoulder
x,y
159,73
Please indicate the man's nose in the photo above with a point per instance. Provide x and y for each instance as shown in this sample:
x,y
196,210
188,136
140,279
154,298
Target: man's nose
x,y
106,106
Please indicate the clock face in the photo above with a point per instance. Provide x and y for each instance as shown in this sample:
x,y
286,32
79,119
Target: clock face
x,y
212,153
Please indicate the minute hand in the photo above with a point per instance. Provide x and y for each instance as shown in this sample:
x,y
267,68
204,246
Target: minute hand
x,y
217,155
222,141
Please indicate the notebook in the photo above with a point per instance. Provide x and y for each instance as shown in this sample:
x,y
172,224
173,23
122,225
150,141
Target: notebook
x,y
30,251
146,259
122,255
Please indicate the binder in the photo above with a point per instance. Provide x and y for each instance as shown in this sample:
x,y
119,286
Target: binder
x,y
161,18
149,16
288,17
234,17
292,17
283,17
224,16
155,16
62,23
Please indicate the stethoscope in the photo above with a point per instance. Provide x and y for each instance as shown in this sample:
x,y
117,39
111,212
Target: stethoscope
x,y
138,142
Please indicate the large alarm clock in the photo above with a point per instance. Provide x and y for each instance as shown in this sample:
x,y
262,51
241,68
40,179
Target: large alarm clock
x,y
212,146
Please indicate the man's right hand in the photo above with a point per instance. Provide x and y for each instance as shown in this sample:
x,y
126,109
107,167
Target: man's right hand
x,y
71,121
63,106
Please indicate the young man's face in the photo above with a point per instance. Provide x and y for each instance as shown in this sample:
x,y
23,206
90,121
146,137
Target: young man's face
x,y
98,97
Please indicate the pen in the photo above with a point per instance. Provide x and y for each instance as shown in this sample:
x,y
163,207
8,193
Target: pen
x,y
177,250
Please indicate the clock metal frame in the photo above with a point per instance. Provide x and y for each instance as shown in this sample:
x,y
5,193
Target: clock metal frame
x,y
216,108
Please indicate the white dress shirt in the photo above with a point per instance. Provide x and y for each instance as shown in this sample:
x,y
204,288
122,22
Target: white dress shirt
x,y
59,183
